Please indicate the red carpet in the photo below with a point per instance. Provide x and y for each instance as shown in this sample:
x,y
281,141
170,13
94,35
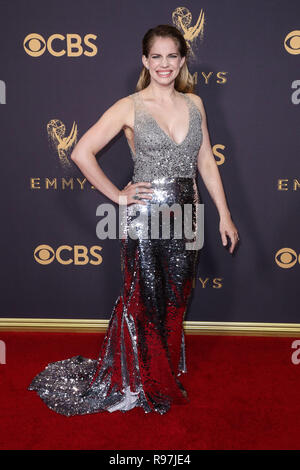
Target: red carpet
x,y
244,394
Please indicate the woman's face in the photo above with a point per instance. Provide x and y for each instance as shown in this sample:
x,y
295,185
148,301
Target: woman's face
x,y
164,60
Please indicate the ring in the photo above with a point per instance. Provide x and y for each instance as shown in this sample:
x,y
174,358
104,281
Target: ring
x,y
136,190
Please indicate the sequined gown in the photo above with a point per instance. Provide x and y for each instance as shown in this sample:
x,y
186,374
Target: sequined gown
x,y
143,351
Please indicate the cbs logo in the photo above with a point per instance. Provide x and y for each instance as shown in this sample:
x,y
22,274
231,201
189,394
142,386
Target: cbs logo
x,y
65,254
292,42
58,45
286,258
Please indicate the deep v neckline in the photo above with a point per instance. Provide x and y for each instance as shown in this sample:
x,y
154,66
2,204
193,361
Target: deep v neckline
x,y
161,129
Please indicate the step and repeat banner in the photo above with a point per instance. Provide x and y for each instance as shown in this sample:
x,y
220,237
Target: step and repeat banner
x,y
62,64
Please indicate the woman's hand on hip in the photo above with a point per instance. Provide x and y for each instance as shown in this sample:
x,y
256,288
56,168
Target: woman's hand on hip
x,y
133,192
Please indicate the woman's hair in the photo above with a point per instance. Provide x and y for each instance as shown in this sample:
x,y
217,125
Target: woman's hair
x,y
184,81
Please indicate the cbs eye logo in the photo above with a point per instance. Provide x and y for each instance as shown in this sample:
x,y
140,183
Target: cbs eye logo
x,y
292,42
58,45
286,258
65,254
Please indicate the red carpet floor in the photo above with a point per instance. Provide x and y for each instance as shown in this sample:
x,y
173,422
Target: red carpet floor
x,y
244,394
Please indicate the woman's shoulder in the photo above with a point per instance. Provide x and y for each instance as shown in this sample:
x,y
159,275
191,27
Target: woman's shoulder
x,y
121,109
123,105
124,109
196,98
125,100
128,98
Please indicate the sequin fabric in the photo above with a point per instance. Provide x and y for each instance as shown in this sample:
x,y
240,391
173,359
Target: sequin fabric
x,y
143,351
156,153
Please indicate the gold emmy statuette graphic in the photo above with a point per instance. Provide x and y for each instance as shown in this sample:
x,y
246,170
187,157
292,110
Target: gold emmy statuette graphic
x,y
182,19
62,144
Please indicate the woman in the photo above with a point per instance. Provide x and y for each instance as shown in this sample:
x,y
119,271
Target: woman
x,y
143,352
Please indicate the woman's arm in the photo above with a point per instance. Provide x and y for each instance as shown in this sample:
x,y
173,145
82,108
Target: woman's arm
x,y
209,172
96,137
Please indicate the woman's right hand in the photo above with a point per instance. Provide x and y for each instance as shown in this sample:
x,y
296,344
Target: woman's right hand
x,y
144,190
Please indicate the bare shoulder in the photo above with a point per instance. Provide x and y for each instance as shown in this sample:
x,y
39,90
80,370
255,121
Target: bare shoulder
x,y
122,109
122,104
197,100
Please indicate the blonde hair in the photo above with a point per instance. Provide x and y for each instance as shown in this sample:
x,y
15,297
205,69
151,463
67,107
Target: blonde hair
x,y
184,81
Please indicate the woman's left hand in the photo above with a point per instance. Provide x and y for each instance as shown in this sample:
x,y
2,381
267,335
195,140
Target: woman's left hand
x,y
227,227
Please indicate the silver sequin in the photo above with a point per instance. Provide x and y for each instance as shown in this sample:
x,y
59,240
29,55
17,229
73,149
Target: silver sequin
x,y
143,351
156,154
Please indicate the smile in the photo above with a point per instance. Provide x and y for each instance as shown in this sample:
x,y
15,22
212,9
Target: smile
x,y
164,74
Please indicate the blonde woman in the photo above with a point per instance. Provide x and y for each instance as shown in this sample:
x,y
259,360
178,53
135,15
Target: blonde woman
x,y
143,352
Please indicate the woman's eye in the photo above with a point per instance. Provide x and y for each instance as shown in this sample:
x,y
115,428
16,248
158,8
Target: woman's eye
x,y
156,56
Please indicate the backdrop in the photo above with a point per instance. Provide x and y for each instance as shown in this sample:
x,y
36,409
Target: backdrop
x,y
62,64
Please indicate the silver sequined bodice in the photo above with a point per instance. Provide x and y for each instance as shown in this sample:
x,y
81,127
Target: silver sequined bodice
x,y
158,155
